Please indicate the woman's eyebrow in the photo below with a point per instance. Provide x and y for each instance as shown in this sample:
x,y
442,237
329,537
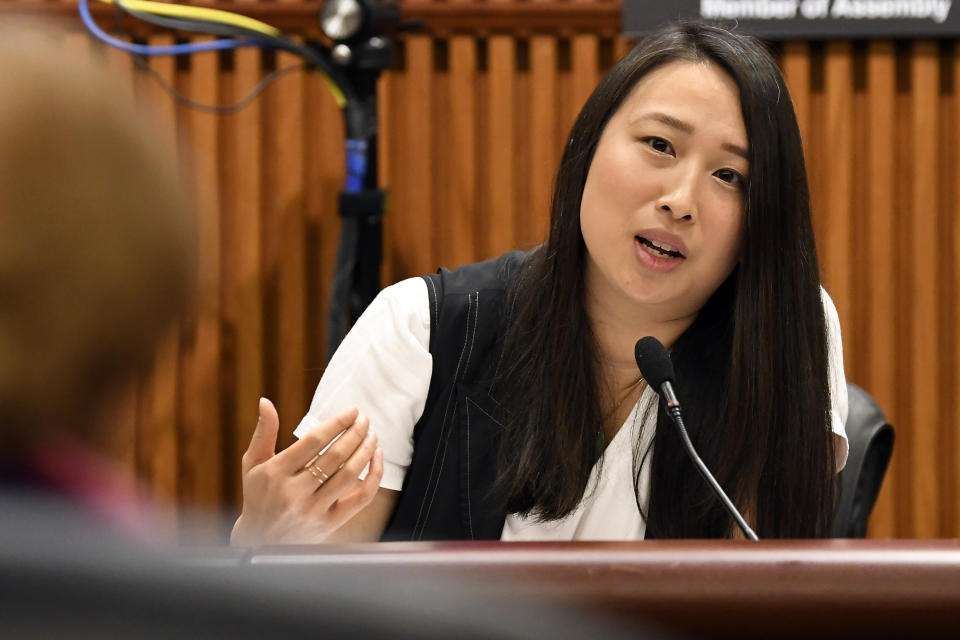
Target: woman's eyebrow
x,y
740,151
668,120
688,128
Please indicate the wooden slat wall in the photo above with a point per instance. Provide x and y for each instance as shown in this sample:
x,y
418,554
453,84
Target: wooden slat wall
x,y
472,127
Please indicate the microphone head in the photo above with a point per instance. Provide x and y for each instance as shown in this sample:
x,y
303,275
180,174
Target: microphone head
x,y
654,362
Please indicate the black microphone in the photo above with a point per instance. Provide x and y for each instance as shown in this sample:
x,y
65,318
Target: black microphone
x,y
657,369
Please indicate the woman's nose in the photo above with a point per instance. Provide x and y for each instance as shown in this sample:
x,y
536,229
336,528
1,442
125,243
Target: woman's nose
x,y
678,199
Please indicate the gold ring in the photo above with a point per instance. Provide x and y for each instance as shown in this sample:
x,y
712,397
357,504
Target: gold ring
x,y
318,473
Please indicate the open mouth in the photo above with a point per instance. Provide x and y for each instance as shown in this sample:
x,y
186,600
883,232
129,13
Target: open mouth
x,y
658,249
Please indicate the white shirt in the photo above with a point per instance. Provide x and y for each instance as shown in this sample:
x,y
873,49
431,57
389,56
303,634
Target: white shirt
x,y
383,367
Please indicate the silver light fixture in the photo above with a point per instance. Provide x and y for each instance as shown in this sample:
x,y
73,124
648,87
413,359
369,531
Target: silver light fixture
x,y
341,19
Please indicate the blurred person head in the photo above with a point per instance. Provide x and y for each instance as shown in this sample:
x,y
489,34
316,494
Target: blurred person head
x,y
96,240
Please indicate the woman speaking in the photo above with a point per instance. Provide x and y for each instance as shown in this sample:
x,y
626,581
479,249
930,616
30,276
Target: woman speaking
x,y
505,396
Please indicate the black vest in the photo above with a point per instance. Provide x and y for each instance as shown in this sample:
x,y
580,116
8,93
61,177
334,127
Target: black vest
x,y
447,491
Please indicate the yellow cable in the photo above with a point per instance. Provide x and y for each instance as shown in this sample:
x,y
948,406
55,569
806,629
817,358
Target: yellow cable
x,y
198,13
338,96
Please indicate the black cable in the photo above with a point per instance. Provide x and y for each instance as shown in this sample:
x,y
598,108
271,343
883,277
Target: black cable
x,y
222,109
211,28
282,43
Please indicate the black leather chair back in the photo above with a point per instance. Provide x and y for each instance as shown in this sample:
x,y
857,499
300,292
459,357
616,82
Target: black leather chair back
x,y
871,444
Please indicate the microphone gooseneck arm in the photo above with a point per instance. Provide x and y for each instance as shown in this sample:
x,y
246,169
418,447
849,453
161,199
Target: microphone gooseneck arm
x,y
655,365
673,410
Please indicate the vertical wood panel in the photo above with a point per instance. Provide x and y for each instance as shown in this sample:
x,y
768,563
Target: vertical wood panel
x,y
816,134
462,146
284,250
796,72
545,135
880,235
904,484
442,127
949,506
856,334
523,224
925,274
395,145
835,233
500,228
952,488
243,304
203,460
584,68
413,226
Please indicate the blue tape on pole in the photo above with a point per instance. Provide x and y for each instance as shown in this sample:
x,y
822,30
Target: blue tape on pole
x,y
356,165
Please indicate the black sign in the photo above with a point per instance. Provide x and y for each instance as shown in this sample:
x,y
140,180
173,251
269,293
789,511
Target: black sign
x,y
803,19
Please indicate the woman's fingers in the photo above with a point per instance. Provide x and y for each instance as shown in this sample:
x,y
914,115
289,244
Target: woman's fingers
x,y
341,450
294,457
351,504
348,477
264,439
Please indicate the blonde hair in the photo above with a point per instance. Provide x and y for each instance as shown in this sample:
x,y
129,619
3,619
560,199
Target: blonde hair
x,y
96,239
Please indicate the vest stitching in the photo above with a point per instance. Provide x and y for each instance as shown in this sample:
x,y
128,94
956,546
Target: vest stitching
x,y
433,292
445,431
436,318
443,459
421,523
473,341
469,506
470,401
485,412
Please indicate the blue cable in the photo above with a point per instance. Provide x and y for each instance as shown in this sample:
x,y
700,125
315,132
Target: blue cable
x,y
356,165
146,50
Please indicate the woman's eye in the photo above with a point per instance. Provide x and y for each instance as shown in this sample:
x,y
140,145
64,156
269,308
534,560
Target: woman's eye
x,y
730,177
659,145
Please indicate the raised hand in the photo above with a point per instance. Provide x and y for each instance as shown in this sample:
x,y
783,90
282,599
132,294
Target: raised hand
x,y
298,495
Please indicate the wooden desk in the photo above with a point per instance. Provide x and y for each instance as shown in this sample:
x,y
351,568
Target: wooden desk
x,y
825,588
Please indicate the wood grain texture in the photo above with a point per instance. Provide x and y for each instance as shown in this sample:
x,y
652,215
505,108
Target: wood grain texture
x,y
201,427
459,242
500,210
284,246
243,300
949,390
545,135
880,237
795,63
922,297
834,233
411,226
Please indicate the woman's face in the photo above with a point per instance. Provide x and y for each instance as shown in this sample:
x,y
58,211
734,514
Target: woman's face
x,y
663,205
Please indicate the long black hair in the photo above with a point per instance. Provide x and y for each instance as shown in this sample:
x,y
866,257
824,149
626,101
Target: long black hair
x,y
751,369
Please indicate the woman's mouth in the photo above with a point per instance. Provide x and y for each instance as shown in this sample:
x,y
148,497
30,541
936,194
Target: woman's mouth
x,y
657,256
659,249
